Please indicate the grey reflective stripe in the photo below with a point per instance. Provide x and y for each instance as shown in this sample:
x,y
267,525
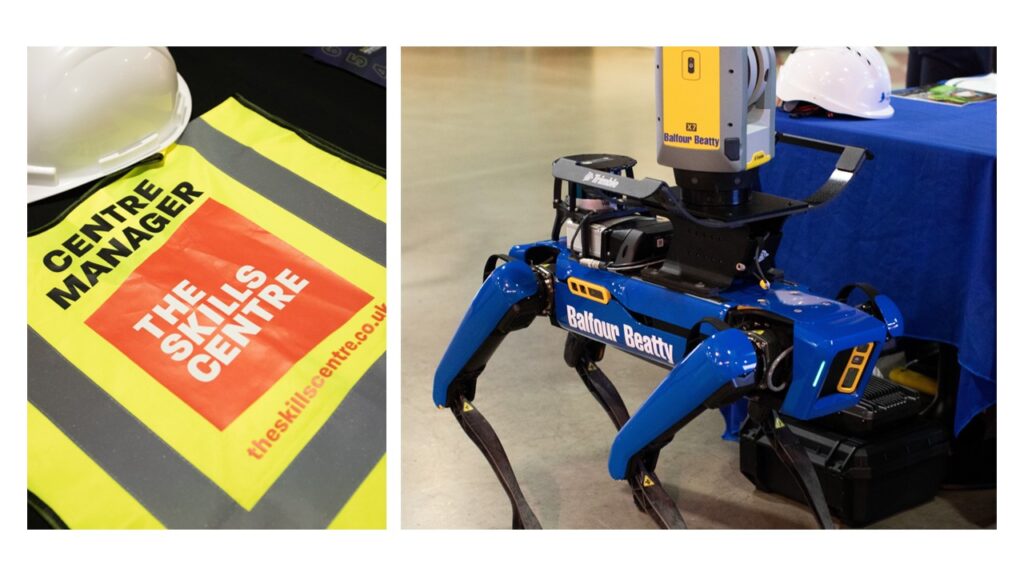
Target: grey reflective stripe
x,y
313,489
336,218
321,479
166,484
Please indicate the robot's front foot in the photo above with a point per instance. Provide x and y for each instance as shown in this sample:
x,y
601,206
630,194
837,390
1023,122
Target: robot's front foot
x,y
651,498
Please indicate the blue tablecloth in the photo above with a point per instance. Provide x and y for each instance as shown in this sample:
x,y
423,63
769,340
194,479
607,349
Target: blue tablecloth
x,y
918,222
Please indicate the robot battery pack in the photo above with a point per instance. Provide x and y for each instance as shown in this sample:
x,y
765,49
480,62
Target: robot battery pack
x,y
622,240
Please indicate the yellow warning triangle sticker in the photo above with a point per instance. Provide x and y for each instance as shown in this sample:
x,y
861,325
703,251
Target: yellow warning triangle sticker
x,y
647,481
466,406
779,423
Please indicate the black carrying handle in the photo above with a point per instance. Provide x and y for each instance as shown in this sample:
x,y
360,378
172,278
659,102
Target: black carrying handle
x,y
869,305
492,263
851,158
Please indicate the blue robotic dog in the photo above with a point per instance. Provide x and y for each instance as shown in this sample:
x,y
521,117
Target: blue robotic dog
x,y
682,277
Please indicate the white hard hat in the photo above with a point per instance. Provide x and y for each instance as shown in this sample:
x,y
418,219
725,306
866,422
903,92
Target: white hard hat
x,y
850,80
94,111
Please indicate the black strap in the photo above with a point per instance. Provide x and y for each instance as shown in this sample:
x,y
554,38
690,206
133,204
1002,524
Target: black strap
x,y
805,109
864,287
648,494
869,306
695,337
492,263
480,431
794,457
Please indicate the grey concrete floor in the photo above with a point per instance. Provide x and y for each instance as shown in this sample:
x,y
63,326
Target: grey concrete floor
x,y
480,130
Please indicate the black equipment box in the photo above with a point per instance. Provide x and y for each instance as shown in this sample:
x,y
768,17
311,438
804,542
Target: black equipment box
x,y
864,480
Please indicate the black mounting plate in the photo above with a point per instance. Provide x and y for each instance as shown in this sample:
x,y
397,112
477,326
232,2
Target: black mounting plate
x,y
760,206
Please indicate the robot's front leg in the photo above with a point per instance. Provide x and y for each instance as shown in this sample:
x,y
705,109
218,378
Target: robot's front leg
x,y
714,372
510,298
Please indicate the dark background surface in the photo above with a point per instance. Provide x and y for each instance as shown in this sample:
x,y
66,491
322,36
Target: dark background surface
x,y
333,104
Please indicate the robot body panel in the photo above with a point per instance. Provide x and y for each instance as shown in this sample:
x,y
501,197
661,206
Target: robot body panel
x,y
824,330
892,315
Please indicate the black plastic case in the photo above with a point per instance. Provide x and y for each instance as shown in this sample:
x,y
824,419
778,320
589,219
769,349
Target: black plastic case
x,y
864,480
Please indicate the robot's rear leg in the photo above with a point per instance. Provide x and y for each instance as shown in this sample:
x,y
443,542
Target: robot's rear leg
x,y
510,298
649,495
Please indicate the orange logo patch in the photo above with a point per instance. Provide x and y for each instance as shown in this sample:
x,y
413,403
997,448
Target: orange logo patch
x,y
223,310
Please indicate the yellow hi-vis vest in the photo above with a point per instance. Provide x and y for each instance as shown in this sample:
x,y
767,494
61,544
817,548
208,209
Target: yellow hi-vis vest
x,y
206,338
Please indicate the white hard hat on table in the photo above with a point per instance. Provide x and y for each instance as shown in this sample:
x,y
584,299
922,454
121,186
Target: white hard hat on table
x,y
851,80
94,111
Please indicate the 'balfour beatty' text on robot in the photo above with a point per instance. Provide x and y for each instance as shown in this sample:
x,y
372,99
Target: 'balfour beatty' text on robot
x,y
681,276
